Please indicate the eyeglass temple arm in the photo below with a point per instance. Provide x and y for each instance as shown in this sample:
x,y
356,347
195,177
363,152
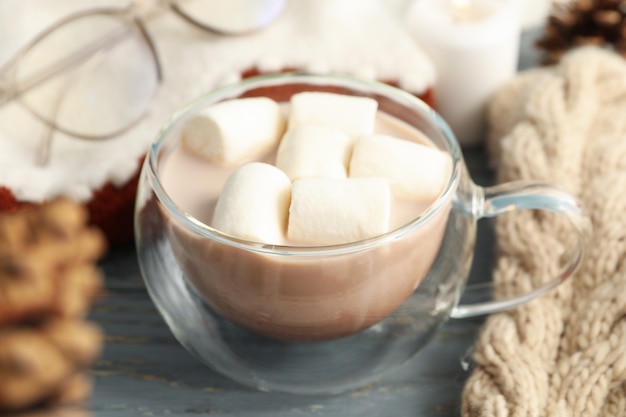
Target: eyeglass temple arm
x,y
9,92
43,149
6,94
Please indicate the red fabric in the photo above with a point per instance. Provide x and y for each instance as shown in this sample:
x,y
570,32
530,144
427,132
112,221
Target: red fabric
x,y
428,96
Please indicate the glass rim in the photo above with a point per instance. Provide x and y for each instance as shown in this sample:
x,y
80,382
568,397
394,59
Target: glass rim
x,y
263,81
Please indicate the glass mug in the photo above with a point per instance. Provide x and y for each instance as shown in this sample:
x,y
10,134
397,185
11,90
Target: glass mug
x,y
325,319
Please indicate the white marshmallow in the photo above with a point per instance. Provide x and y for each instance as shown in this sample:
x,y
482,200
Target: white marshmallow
x,y
414,171
233,131
254,204
352,115
314,151
327,211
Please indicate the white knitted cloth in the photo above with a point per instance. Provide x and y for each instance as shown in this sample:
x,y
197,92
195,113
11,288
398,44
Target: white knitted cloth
x,y
564,354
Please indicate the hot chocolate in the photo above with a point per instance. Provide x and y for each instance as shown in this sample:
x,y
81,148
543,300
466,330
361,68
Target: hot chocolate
x,y
289,292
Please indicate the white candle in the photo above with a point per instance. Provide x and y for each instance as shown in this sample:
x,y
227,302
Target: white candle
x,y
474,45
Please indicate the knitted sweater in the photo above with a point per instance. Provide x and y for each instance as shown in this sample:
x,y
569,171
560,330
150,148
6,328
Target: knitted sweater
x,y
565,353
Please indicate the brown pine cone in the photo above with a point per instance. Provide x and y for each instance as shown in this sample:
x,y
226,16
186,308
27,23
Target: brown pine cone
x,y
48,281
47,263
581,23
42,364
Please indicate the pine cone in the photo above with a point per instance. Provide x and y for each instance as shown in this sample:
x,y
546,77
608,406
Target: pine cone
x,y
48,281
581,23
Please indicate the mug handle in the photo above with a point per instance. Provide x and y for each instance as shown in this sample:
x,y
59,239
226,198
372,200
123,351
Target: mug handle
x,y
526,195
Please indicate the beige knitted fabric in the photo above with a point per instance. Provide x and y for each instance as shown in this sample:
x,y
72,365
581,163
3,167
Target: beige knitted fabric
x,y
564,354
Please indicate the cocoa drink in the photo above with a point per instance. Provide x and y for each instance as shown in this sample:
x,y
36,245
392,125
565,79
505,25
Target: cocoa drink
x,y
290,290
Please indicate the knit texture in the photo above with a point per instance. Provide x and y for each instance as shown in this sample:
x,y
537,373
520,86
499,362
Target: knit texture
x,y
565,353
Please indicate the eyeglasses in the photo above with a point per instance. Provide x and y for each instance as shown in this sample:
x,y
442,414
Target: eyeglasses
x,y
94,74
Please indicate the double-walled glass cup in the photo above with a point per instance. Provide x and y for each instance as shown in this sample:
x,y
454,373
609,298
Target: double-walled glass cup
x,y
326,319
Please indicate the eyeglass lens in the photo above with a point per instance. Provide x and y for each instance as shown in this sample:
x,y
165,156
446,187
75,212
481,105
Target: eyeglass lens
x,y
230,16
101,95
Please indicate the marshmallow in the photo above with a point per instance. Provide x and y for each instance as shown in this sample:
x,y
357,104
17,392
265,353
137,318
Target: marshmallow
x,y
233,131
327,211
254,204
352,115
414,171
314,151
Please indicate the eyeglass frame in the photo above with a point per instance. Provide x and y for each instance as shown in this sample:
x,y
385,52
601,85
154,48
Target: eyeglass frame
x,y
133,19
